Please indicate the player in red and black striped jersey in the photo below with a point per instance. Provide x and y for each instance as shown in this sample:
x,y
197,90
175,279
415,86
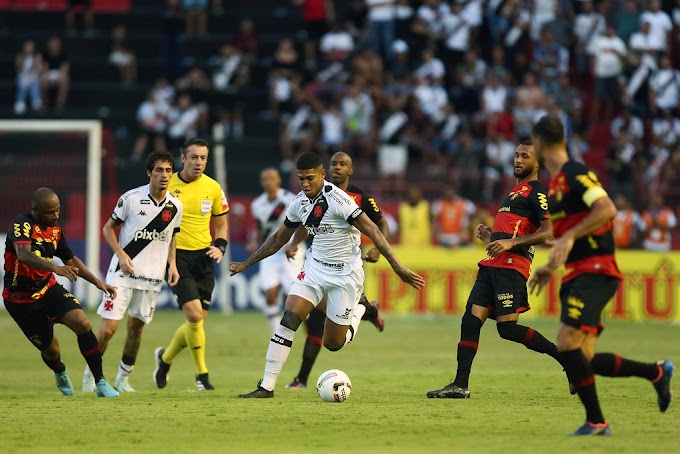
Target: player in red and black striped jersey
x,y
500,291
582,215
341,169
36,301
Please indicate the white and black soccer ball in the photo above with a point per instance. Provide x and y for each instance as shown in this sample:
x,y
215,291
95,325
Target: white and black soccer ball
x,y
334,386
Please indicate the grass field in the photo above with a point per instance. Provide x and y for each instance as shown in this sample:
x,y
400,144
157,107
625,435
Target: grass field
x,y
519,399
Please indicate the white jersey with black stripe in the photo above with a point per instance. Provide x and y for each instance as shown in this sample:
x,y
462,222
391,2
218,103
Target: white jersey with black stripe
x,y
146,230
336,247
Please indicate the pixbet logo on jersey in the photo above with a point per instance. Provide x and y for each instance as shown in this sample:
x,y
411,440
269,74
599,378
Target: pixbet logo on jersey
x,y
151,235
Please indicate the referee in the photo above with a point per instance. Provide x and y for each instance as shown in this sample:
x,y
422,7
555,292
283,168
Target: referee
x,y
203,201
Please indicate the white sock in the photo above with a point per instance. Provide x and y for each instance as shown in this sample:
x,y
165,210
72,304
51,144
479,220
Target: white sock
x,y
277,354
357,313
124,370
273,314
88,371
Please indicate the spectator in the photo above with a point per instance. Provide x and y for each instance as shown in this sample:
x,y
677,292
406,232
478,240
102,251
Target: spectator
x,y
183,120
332,129
400,69
367,65
456,35
629,123
517,37
122,57
248,41
359,113
316,14
298,130
196,17
657,222
666,128
608,52
55,74
551,61
470,77
664,87
172,41
622,163
84,7
404,15
152,125
414,219
499,152
497,65
29,67
561,25
355,21
196,84
494,97
381,26
626,225
587,25
336,44
230,73
643,62
451,219
529,102
627,20
661,25
566,95
284,74
428,24
467,171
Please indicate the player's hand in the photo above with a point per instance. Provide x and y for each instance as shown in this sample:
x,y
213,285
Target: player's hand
x,y
68,271
215,253
496,247
540,279
108,290
173,275
251,247
237,267
125,263
414,280
483,233
372,256
560,251
291,251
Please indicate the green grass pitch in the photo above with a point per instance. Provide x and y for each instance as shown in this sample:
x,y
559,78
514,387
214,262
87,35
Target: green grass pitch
x,y
519,399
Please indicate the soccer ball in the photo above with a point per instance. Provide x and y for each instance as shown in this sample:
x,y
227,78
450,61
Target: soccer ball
x,y
334,386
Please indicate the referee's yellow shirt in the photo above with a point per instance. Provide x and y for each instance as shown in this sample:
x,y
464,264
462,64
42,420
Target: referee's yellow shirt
x,y
201,199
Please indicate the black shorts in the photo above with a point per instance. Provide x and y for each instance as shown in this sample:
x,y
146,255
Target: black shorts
x,y
37,319
315,29
196,277
583,299
501,290
607,88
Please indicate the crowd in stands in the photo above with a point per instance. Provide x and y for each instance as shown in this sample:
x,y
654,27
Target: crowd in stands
x,y
448,87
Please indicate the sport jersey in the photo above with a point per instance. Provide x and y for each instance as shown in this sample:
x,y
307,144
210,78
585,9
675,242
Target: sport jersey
x,y
270,214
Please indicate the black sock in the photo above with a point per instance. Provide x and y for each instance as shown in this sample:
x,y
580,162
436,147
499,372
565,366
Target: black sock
x,y
57,366
529,337
580,373
89,348
128,360
315,326
470,328
612,365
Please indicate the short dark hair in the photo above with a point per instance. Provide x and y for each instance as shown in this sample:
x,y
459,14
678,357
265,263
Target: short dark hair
x,y
308,161
549,129
194,141
527,143
159,155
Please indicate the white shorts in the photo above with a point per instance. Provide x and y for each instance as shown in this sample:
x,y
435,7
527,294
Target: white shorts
x,y
139,304
342,292
277,270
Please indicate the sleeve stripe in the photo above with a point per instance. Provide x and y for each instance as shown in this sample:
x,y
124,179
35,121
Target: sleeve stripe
x,y
290,224
221,214
593,194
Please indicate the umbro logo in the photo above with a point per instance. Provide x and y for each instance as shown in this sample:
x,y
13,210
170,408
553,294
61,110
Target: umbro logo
x,y
141,213
177,192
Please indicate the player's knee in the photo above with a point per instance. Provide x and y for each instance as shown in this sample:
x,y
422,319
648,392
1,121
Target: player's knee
x,y
506,329
290,320
470,323
105,333
332,346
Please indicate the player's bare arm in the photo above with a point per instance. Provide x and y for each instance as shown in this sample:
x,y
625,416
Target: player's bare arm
x,y
483,233
26,256
173,274
299,236
221,231
373,254
602,211
540,236
91,278
109,234
272,245
368,228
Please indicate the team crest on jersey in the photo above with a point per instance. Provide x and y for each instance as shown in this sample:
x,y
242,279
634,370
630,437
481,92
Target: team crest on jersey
x,y
120,202
166,215
301,276
206,206
318,211
523,191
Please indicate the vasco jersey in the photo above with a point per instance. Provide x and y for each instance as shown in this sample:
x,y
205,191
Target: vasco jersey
x,y
520,214
145,234
24,284
329,217
572,192
201,199
270,214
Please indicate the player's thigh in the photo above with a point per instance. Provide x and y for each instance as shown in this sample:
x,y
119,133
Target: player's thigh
x,y
33,322
143,305
510,292
583,298
482,293
291,268
115,308
307,285
343,294
271,273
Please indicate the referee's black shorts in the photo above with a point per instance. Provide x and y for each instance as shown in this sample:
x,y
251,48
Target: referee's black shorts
x,y
196,277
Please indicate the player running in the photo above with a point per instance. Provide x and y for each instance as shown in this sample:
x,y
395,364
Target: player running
x,y
149,217
332,266
582,214
277,271
500,291
36,301
341,170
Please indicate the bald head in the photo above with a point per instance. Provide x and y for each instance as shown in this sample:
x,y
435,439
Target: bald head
x,y
341,169
270,180
45,206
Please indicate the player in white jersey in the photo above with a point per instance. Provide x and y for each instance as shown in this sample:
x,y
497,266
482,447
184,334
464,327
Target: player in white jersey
x,y
277,272
332,267
149,217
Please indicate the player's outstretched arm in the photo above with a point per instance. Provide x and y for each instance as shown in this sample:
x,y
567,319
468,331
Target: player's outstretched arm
x,y
373,254
368,228
91,278
272,245
27,257
299,236
109,234
540,236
